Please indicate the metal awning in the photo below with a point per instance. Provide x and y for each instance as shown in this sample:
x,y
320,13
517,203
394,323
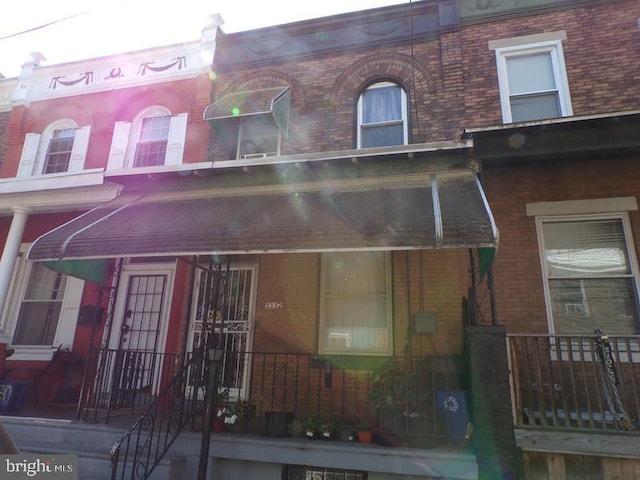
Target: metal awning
x,y
272,101
445,210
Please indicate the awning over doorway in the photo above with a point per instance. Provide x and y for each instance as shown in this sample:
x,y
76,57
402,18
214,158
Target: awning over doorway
x,y
446,210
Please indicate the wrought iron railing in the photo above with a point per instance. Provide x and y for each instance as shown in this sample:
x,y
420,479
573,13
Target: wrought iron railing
x,y
177,406
577,381
420,401
416,401
123,382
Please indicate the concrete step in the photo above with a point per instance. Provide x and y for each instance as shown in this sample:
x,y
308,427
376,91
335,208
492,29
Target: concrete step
x,y
91,443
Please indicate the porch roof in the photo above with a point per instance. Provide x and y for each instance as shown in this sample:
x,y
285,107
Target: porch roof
x,y
443,210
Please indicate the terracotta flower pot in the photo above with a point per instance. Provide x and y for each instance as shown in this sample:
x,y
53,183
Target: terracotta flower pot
x,y
364,436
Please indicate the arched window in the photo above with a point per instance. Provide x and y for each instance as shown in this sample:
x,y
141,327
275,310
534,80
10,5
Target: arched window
x,y
382,116
154,138
61,147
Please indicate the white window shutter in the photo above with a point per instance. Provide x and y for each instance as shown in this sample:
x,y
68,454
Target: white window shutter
x,y
175,142
79,149
118,152
29,153
69,312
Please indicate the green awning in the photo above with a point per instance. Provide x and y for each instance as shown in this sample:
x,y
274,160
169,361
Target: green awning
x,y
93,270
272,101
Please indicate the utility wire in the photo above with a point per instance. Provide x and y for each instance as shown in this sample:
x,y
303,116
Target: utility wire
x,y
40,27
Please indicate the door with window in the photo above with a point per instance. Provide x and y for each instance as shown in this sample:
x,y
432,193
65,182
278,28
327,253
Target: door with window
x,y
233,329
139,331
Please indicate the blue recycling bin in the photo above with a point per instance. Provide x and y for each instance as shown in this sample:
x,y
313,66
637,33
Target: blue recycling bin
x,y
12,394
454,413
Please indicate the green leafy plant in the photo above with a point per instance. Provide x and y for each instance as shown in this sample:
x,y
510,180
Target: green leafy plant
x,y
362,426
392,387
311,426
245,409
327,429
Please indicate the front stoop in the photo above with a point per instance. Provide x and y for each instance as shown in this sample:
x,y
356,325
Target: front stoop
x,y
90,442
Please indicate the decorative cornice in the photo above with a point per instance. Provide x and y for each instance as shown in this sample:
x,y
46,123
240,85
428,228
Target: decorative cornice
x,y
144,67
350,31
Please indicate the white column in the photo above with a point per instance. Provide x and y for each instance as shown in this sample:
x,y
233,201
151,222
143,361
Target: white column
x,y
10,252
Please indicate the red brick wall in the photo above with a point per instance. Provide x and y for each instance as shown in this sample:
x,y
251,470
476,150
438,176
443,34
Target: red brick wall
x,y
102,110
518,277
452,81
601,56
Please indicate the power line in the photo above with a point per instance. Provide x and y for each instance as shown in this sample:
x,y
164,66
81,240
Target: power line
x,y
39,27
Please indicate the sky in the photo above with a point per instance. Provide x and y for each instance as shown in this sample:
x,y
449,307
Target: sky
x,y
95,28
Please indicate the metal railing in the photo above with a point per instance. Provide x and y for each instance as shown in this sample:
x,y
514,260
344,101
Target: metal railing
x,y
576,381
420,401
143,445
123,382
416,401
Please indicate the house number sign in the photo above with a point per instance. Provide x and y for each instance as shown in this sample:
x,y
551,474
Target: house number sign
x,y
273,306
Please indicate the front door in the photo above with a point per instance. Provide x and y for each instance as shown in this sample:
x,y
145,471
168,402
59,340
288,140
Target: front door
x,y
139,330
234,326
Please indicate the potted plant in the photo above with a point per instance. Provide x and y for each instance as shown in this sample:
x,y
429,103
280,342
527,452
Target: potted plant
x,y
310,427
364,432
327,429
346,431
392,391
222,410
247,413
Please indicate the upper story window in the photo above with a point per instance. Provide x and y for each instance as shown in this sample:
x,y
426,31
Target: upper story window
x,y
154,138
532,78
151,148
251,123
61,147
382,116
355,310
590,274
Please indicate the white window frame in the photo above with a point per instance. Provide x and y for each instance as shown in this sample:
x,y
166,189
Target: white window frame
x,y
36,146
554,48
127,134
67,322
404,120
323,348
633,262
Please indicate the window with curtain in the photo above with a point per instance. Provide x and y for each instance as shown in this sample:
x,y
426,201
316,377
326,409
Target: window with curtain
x,y
382,116
590,275
41,307
533,83
355,303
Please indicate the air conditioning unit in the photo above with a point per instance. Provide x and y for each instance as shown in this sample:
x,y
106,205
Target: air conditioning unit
x,y
250,156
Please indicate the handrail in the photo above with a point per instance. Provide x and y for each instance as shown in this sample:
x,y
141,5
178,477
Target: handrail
x,y
575,381
144,444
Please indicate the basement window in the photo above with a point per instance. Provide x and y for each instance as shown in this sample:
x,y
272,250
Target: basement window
x,y
294,472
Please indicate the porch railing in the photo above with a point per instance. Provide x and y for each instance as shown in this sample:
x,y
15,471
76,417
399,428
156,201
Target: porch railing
x,y
417,401
123,382
176,406
423,402
577,381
